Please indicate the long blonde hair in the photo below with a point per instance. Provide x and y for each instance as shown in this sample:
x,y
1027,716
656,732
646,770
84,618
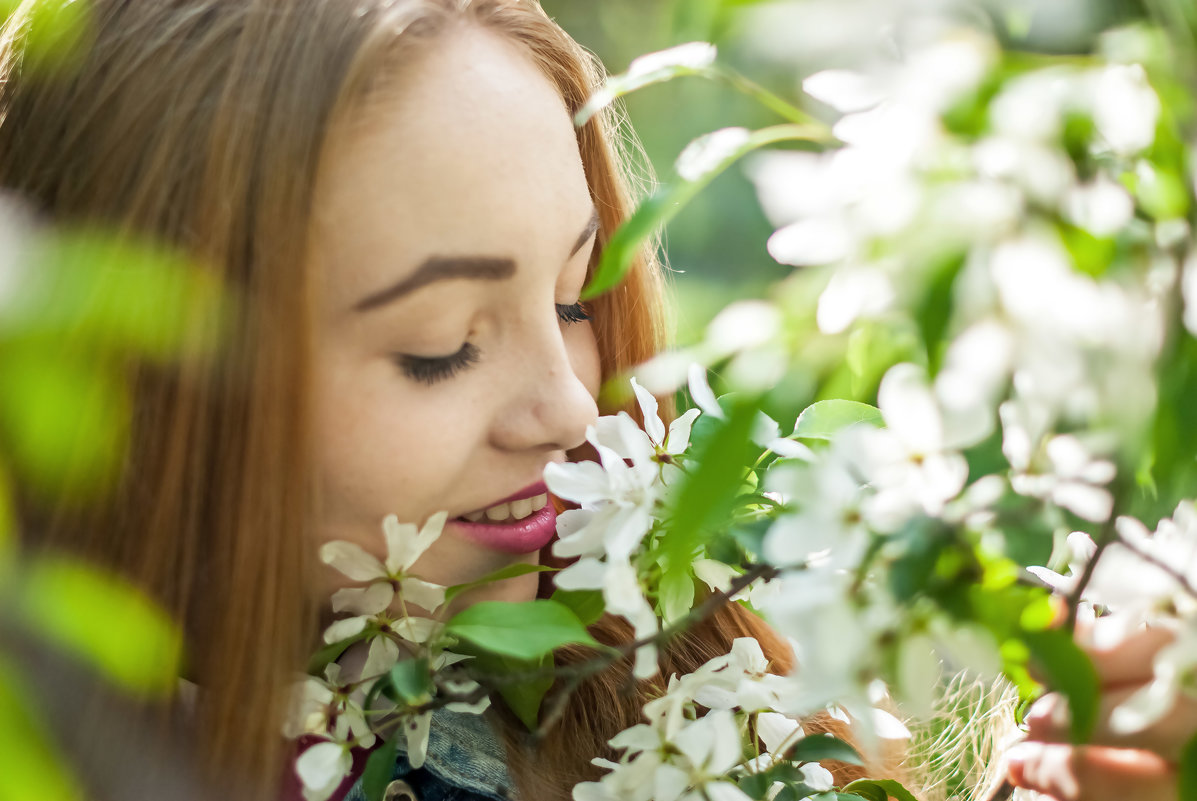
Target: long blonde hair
x,y
202,124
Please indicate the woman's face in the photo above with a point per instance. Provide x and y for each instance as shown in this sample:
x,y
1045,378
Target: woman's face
x,y
454,226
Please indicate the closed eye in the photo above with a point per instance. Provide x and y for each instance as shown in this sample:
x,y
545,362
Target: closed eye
x,y
572,313
431,369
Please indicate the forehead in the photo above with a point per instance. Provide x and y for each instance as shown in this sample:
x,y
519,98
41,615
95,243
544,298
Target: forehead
x,y
470,149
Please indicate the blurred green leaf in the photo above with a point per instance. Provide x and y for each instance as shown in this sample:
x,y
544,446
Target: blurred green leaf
x,y
332,652
869,791
32,767
412,681
817,747
890,787
619,251
1090,254
675,595
379,769
57,34
1070,672
525,630
825,419
102,621
874,346
63,421
511,571
8,526
586,604
1164,195
94,290
1187,780
935,306
708,492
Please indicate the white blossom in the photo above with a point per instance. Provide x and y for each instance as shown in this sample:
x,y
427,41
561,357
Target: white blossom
x,y
321,769
405,544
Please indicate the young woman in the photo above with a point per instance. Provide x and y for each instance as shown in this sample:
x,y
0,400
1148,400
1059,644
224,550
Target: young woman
x,y
395,195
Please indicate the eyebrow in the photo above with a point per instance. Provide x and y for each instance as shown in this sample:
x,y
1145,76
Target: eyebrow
x,y
446,268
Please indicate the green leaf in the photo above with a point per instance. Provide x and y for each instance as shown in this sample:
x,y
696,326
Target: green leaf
x,y
586,604
8,527
619,251
1164,195
525,697
824,419
817,747
104,291
522,697
412,681
1091,255
868,791
525,630
332,652
103,621
888,787
756,785
511,571
675,595
1069,671
1187,780
63,419
32,766
379,769
706,497
57,34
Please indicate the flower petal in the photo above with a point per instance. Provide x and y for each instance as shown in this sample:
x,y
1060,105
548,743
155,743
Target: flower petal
x,y
415,731
344,629
416,629
321,768
351,560
368,600
399,537
701,392
383,655
424,594
648,406
679,432
777,731
430,532
580,482
585,574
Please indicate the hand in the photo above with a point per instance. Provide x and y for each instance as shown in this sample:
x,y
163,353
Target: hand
x,y
1115,766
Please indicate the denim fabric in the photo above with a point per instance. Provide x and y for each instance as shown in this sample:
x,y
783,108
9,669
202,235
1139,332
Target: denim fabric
x,y
466,762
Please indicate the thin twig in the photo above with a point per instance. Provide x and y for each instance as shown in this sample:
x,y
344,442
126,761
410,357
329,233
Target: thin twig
x,y
1104,538
1176,575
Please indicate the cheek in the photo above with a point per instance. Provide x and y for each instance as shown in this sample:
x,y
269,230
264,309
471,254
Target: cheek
x,y
367,431
584,356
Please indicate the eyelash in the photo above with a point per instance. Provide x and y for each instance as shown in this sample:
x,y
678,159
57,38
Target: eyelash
x,y
573,313
430,370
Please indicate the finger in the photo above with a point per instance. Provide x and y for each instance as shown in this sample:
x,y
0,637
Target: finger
x,y
1091,773
1130,661
1048,721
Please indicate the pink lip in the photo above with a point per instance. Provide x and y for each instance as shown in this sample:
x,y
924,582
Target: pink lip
x,y
521,536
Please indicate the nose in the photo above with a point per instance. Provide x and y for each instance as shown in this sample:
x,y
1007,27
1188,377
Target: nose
x,y
550,401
